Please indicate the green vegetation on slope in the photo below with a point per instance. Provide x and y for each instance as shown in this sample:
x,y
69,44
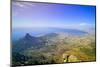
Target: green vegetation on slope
x,y
59,50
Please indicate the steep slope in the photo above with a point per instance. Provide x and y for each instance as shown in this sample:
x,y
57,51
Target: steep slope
x,y
26,42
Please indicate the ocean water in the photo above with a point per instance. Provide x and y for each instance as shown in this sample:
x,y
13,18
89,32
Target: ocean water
x,y
21,32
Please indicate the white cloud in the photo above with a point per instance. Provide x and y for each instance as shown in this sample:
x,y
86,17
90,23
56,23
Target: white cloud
x,y
18,4
23,4
83,24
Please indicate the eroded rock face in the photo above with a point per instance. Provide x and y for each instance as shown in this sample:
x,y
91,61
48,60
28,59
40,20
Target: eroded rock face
x,y
65,58
70,58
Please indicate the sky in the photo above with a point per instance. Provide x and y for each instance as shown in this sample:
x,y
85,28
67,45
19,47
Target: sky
x,y
31,14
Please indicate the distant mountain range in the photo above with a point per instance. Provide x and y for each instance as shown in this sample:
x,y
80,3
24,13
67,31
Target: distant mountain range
x,y
29,41
18,33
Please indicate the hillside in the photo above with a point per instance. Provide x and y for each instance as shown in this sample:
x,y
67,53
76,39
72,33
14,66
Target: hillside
x,y
54,48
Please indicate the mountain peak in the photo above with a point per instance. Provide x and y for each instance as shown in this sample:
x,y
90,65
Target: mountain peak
x,y
27,36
